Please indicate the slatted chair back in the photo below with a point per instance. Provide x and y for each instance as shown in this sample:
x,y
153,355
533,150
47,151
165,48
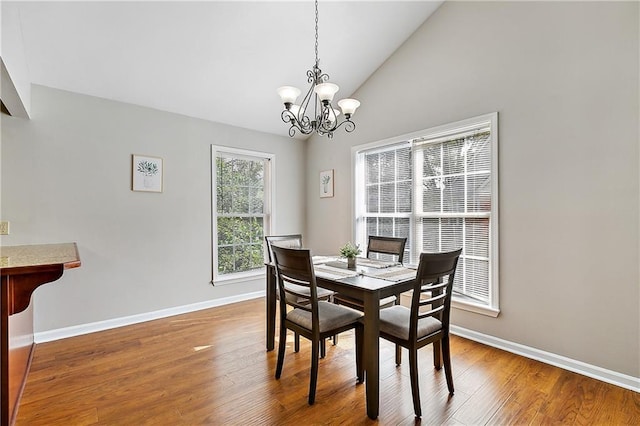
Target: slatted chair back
x,y
296,280
434,279
288,241
386,245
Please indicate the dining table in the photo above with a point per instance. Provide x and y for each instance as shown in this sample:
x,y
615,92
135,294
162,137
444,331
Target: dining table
x,y
370,281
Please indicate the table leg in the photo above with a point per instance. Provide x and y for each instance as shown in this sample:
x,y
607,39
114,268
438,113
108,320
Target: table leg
x,y
372,353
271,308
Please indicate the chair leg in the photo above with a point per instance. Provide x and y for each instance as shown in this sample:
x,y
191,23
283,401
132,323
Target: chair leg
x,y
437,355
296,342
335,336
446,354
323,348
313,378
281,349
359,352
413,372
398,355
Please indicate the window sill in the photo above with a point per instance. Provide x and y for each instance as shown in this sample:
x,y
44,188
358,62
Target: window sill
x,y
466,305
238,277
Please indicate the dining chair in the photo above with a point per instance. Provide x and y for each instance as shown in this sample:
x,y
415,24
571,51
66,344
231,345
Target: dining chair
x,y
393,246
295,241
413,327
311,318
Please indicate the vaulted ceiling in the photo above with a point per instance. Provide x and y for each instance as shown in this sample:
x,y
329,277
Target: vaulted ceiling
x,y
219,61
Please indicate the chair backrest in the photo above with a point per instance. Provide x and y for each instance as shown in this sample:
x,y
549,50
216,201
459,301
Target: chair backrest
x,y
387,245
294,270
435,275
288,241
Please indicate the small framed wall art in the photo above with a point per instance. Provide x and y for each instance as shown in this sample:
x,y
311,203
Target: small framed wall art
x,y
326,183
146,173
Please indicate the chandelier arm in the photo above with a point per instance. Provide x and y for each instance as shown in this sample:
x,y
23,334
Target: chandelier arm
x,y
324,123
288,117
302,126
349,126
304,106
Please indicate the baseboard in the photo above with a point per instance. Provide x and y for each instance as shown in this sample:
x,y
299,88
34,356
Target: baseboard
x,y
595,372
77,330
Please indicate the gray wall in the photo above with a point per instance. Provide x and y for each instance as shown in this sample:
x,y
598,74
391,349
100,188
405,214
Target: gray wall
x,y
564,79
15,87
66,176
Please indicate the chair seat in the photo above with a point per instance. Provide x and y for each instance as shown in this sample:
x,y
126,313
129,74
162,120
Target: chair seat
x,y
331,316
395,321
359,304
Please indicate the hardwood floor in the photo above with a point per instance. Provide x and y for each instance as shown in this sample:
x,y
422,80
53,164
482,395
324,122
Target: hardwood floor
x,y
211,367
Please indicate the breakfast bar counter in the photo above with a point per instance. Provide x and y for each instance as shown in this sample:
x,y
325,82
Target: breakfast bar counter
x,y
22,270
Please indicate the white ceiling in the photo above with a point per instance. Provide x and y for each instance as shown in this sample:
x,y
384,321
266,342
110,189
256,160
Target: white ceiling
x,y
220,61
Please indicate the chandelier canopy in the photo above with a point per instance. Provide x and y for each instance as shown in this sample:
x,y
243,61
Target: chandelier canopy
x,y
324,120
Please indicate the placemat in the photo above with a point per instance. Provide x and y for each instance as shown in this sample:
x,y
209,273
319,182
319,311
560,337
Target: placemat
x,y
370,263
394,273
325,271
318,260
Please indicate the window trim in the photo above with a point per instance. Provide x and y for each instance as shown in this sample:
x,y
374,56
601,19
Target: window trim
x,y
269,207
432,134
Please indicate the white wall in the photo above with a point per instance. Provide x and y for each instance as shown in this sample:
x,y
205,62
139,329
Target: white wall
x,y
15,87
66,176
564,79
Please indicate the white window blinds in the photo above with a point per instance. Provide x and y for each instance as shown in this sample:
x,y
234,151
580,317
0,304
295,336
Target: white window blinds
x,y
387,193
438,188
453,204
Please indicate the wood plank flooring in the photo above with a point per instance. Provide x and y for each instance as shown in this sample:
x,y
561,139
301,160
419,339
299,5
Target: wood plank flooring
x,y
211,368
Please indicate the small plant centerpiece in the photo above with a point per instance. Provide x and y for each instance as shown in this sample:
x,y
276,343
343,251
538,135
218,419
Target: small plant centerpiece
x,y
350,251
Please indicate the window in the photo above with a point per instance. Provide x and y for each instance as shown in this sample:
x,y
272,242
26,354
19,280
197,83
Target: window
x,y
438,188
242,206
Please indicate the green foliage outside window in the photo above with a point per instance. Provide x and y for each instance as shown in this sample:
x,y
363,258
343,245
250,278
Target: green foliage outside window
x,y
240,214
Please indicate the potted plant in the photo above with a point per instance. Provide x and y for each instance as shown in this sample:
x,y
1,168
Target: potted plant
x,y
350,251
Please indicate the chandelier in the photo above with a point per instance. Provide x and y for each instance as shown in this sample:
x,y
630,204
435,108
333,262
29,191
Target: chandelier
x,y
324,120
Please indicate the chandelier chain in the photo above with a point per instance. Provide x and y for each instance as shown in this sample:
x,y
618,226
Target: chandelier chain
x,y
317,62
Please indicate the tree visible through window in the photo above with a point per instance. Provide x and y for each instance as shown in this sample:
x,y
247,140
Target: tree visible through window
x,y
242,211
437,188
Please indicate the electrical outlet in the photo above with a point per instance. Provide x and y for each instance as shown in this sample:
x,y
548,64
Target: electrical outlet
x,y
4,227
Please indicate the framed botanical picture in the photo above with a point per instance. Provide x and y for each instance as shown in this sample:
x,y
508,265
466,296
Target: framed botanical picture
x,y
326,183
146,173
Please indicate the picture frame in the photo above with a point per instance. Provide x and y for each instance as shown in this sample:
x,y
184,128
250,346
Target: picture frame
x,y
146,173
326,183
